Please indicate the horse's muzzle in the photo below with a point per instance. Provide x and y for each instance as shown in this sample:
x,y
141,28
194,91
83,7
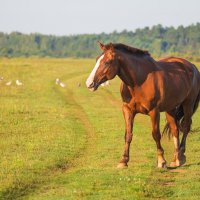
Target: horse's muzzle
x,y
93,86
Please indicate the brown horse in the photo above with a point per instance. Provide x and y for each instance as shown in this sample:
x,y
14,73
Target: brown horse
x,y
149,87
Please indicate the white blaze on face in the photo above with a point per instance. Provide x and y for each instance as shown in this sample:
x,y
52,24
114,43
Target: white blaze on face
x,y
90,79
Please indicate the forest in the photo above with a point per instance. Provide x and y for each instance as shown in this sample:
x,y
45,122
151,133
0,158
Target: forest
x,y
158,40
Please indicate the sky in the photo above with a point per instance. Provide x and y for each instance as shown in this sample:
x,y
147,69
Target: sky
x,y
69,17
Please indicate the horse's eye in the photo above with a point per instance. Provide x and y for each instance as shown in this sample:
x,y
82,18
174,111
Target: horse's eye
x,y
107,63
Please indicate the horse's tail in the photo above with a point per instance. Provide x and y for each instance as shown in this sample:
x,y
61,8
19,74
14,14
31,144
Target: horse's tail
x,y
196,103
179,116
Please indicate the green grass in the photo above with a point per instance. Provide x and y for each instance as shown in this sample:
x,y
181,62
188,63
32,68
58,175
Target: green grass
x,y
64,143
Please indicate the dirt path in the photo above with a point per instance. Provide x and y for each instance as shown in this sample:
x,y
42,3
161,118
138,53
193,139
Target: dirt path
x,y
83,155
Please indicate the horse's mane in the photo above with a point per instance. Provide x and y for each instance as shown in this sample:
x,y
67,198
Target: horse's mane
x,y
128,49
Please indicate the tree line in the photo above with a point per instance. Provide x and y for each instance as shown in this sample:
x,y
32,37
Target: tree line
x,y
158,40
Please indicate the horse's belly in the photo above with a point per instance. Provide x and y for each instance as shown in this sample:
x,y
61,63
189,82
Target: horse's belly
x,y
173,97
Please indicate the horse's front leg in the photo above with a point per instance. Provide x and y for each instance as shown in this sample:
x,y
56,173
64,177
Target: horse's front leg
x,y
155,119
128,117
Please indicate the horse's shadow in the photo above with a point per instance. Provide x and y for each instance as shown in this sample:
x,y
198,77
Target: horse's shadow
x,y
195,130
192,164
184,166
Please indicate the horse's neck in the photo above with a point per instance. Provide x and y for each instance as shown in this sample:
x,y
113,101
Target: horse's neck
x,y
134,71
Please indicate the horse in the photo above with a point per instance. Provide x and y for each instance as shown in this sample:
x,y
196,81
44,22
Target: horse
x,y
170,85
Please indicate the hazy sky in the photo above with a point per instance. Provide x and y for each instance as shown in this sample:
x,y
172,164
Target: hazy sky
x,y
64,17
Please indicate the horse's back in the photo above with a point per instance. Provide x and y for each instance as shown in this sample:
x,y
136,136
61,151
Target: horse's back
x,y
173,59
175,62
181,73
178,65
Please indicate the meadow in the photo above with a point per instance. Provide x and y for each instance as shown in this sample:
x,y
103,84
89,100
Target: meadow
x,y
65,143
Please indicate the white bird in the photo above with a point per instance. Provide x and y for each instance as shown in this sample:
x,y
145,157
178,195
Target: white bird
x,y
18,83
9,83
57,81
62,84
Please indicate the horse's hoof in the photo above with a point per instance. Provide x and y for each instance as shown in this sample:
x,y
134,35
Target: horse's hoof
x,y
162,165
182,160
122,166
178,162
174,164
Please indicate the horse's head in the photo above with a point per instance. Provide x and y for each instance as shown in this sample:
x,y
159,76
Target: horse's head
x,y
106,67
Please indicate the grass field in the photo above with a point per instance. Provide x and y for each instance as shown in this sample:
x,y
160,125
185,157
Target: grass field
x,y
64,143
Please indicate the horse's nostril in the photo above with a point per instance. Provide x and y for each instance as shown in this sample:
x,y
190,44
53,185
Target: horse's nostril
x,y
91,85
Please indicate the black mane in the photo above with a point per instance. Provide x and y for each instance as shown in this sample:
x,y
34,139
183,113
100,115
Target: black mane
x,y
128,49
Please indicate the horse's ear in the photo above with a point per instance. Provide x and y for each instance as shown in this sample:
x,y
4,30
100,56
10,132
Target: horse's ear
x,y
111,47
102,46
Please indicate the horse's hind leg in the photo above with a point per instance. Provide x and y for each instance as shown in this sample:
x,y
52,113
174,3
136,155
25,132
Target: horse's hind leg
x,y
170,116
186,125
155,119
